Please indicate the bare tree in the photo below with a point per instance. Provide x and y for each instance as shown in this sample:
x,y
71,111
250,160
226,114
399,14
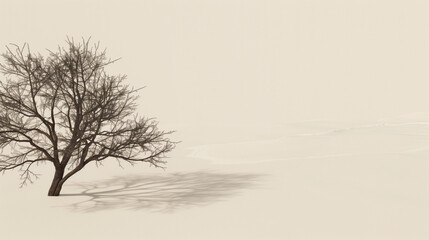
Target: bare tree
x,y
66,110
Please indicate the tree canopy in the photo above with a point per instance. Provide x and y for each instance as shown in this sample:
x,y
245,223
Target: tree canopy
x,y
65,109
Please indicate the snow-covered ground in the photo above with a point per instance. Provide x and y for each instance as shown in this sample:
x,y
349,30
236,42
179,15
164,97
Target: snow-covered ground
x,y
305,180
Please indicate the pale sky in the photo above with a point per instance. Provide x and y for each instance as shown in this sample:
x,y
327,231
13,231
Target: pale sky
x,y
248,62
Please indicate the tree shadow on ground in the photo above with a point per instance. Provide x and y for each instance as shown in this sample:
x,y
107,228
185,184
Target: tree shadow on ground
x,y
165,193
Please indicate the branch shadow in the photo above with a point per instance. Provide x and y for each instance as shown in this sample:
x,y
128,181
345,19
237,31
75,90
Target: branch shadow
x,y
165,193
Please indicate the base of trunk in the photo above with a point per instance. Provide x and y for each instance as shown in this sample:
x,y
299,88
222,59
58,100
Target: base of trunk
x,y
55,191
57,184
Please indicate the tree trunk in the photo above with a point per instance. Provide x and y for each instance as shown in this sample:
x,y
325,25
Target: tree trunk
x,y
57,183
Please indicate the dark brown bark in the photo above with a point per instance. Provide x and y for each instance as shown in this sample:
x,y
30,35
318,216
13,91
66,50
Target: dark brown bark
x,y
57,183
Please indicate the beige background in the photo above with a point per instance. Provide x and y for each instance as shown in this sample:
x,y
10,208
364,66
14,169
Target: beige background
x,y
249,61
227,71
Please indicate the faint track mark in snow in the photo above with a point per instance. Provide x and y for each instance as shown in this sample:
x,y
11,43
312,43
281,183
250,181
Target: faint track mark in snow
x,y
218,153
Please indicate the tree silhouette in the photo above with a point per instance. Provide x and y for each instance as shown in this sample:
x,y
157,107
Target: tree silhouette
x,y
65,109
